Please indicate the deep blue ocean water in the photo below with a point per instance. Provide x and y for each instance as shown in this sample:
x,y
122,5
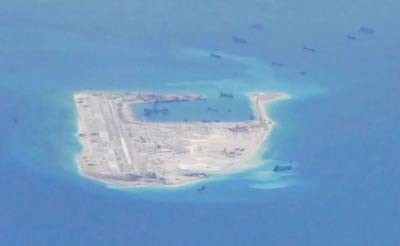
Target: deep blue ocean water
x,y
340,127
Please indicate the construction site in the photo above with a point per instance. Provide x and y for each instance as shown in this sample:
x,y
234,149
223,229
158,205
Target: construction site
x,y
121,150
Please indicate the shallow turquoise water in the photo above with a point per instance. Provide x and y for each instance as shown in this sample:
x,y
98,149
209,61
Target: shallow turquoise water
x,y
340,125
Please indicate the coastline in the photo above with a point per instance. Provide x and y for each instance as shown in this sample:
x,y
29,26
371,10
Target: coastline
x,y
259,104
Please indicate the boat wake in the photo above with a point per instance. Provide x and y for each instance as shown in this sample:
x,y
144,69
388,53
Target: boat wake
x,y
280,176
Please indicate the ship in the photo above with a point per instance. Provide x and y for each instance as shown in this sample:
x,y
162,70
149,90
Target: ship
x,y
202,188
239,40
154,110
366,30
257,27
283,168
277,64
303,73
226,94
351,37
212,109
15,120
215,56
308,49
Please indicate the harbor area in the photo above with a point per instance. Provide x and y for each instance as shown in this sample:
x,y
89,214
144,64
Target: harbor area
x,y
123,150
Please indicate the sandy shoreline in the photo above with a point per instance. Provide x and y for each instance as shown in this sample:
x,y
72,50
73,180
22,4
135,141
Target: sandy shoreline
x,y
122,151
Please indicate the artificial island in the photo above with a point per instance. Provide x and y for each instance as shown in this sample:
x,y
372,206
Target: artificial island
x,y
121,150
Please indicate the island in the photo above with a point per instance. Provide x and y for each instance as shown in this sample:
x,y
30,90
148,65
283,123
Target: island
x,y
121,150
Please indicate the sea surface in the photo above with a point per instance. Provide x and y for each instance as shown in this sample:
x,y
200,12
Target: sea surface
x,y
213,108
339,129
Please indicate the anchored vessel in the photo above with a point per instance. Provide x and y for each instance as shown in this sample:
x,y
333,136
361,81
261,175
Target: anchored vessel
x,y
366,30
214,55
239,40
282,168
277,64
155,110
351,37
121,150
308,49
226,94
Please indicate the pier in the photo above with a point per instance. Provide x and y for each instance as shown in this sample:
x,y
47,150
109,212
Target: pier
x,y
121,150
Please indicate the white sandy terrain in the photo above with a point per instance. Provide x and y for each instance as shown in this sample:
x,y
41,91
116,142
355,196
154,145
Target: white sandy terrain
x,y
120,150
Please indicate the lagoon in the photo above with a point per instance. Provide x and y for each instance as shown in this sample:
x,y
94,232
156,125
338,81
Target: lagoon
x,y
210,109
